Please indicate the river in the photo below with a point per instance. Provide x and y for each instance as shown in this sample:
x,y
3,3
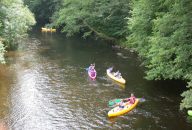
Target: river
x,y
45,86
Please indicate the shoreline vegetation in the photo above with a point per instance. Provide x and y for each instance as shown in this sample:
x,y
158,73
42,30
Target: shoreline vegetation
x,y
15,20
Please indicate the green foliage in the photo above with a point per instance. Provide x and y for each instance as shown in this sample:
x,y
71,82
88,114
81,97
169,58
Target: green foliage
x,y
15,20
161,34
170,34
187,96
140,25
105,18
43,9
186,102
2,51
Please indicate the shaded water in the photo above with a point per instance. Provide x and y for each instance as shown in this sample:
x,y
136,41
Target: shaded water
x,y
48,88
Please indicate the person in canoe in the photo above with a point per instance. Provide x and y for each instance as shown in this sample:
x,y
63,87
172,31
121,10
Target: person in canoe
x,y
110,69
127,101
117,74
130,100
121,105
92,67
91,71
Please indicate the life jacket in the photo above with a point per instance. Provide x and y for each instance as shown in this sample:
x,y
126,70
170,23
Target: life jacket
x,y
132,100
121,105
93,73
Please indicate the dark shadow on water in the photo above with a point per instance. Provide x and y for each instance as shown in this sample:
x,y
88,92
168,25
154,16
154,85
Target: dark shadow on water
x,y
171,86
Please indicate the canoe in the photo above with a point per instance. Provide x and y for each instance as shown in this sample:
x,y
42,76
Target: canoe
x,y
92,74
48,30
189,112
120,111
120,80
113,102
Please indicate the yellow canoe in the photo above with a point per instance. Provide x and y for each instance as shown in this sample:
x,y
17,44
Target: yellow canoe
x,y
48,30
120,80
120,111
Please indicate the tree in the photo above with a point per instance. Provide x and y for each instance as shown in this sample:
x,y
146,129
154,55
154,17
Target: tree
x,y
161,33
105,18
15,20
43,9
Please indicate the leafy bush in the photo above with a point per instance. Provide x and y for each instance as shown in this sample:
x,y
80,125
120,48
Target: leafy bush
x,y
15,20
160,31
106,19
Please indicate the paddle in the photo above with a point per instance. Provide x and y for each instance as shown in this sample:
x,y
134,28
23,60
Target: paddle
x,y
113,102
142,99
